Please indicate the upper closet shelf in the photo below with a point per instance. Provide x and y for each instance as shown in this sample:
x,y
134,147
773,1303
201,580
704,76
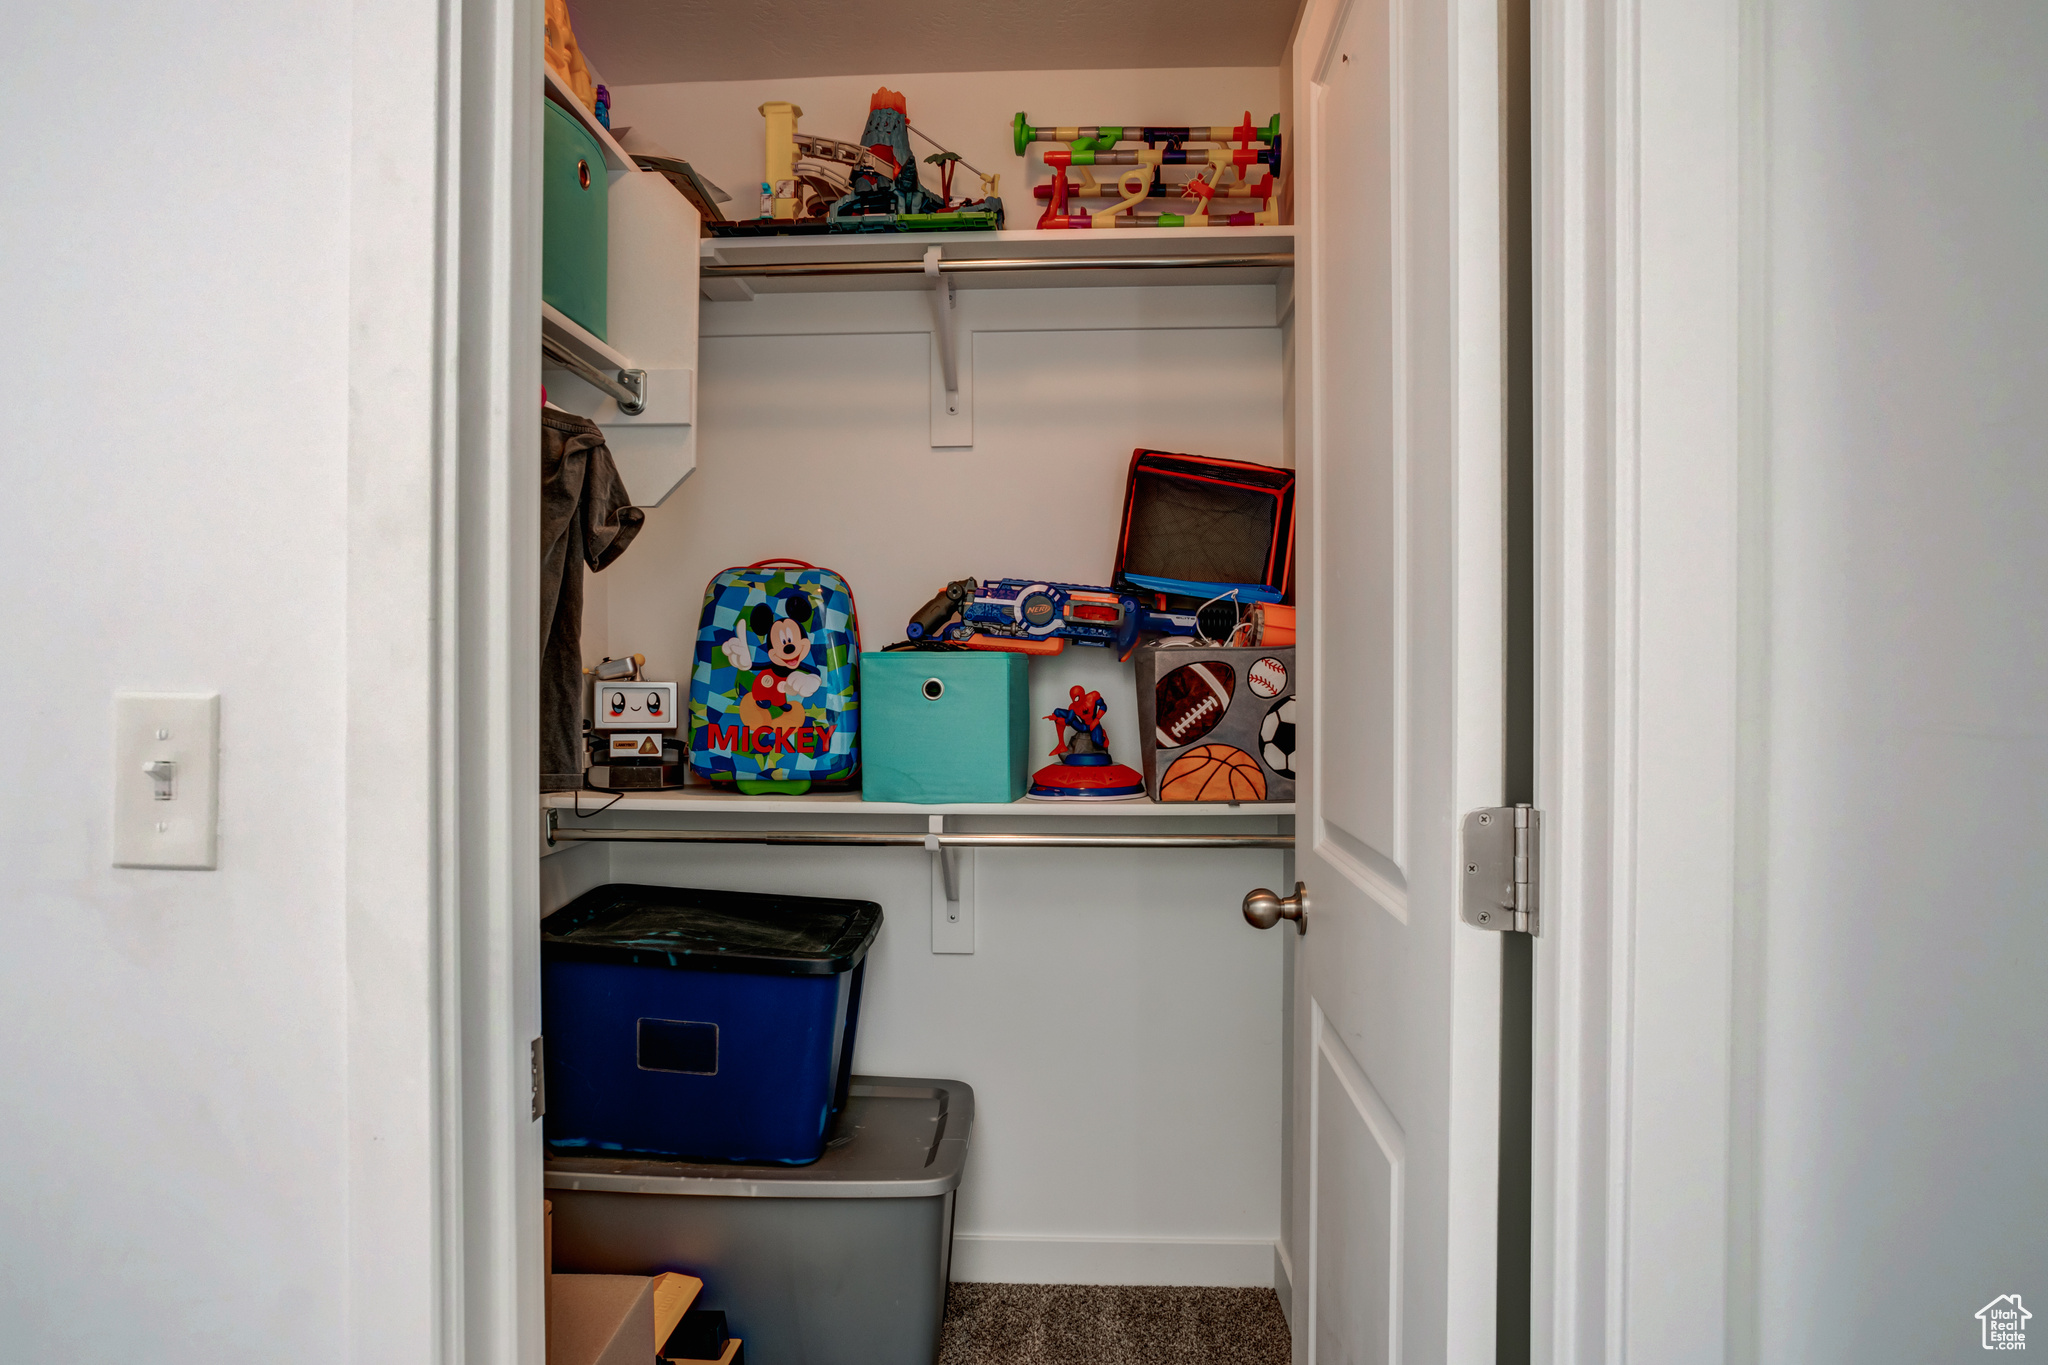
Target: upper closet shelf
x,y
558,327
615,159
737,267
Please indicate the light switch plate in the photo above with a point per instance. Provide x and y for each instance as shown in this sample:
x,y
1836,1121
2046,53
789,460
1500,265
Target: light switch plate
x,y
166,817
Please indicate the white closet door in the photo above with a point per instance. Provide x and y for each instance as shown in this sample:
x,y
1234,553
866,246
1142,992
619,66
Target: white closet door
x,y
1397,1015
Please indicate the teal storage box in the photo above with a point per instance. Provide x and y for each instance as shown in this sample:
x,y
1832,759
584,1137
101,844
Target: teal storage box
x,y
941,726
575,232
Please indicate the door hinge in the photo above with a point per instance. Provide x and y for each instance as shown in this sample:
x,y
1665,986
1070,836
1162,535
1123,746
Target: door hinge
x,y
540,1083
1503,866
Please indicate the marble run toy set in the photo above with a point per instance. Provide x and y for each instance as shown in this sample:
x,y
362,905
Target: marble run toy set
x,y
1222,193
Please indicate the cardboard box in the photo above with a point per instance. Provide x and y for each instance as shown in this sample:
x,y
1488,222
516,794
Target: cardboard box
x,y
614,1319
601,1320
1217,723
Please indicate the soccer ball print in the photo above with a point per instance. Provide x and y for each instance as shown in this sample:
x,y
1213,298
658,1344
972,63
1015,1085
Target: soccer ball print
x,y
1276,737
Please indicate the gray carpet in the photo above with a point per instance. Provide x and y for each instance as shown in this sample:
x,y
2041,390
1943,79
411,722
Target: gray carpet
x,y
1086,1324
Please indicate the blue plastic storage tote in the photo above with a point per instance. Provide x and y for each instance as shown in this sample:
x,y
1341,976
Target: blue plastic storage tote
x,y
715,1025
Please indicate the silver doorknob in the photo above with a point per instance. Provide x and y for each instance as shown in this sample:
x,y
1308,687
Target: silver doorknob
x,y
1263,909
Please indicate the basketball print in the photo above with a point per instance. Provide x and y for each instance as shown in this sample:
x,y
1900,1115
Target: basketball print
x,y
1268,677
1191,699
1213,772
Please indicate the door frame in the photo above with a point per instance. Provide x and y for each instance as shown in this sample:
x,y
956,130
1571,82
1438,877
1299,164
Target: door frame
x,y
1645,126
1645,123
441,843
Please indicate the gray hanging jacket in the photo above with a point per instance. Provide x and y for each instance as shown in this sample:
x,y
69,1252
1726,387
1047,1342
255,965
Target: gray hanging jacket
x,y
586,518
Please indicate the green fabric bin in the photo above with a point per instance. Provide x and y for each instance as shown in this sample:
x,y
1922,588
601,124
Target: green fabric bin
x,y
944,726
575,228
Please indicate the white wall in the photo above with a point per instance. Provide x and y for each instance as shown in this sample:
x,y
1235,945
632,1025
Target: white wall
x,y
1903,1037
172,1154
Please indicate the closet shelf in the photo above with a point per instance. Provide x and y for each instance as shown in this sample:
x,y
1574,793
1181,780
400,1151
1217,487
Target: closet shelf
x,y
690,801
616,161
578,340
775,265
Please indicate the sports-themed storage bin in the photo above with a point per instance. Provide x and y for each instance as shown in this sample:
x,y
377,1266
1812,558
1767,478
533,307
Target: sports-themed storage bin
x,y
945,725
1217,723
775,692
575,229
716,1025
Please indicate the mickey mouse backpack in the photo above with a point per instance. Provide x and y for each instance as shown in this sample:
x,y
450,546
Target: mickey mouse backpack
x,y
775,694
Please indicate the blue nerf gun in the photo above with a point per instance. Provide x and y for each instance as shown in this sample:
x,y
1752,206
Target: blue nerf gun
x,y
1024,616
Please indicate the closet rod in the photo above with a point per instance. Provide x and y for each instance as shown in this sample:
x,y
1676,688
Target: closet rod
x,y
869,839
630,388
1001,264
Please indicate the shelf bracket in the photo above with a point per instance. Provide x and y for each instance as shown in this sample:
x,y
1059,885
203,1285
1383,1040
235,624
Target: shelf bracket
x,y
952,891
719,288
952,362
629,390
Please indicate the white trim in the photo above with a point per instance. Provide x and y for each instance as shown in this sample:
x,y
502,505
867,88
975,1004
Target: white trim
x,y
1386,886
1283,1281
1473,118
404,1220
1372,1111
1006,1258
1753,631
492,514
443,1181
1328,843
1637,136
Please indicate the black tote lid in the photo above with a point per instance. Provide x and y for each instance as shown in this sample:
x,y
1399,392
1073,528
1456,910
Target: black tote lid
x,y
712,931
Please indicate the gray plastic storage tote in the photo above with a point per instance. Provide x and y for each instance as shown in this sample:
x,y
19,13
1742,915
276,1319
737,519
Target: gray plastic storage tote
x,y
842,1262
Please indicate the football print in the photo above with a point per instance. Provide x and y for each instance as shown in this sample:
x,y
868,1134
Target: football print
x,y
1191,699
1276,738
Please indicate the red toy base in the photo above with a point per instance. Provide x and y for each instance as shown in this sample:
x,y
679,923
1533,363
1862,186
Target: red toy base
x,y
1096,782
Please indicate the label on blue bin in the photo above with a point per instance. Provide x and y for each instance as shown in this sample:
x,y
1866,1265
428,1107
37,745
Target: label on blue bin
x,y
678,1045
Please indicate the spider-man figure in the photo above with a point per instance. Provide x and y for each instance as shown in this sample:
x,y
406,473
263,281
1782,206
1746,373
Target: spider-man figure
x,y
1085,771
1083,714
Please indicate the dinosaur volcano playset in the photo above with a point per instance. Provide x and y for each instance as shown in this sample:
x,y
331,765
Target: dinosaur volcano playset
x,y
814,184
